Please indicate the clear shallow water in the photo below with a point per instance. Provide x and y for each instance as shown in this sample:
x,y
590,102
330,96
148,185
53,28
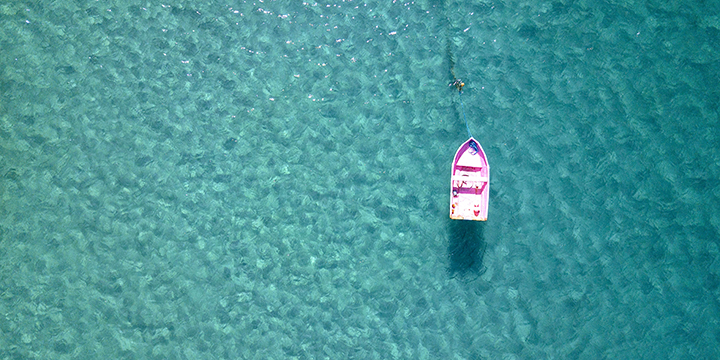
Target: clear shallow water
x,y
264,180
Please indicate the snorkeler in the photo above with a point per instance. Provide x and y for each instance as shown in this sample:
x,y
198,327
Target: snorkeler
x,y
458,84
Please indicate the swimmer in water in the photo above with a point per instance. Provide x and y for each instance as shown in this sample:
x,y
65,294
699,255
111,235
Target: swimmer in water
x,y
458,84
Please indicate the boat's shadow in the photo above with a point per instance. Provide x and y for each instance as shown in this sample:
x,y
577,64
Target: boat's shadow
x,y
466,248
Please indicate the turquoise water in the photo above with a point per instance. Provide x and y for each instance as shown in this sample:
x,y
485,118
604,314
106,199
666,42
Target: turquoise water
x,y
266,180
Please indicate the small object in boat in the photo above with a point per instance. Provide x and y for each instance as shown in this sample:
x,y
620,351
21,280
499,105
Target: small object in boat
x,y
470,183
458,84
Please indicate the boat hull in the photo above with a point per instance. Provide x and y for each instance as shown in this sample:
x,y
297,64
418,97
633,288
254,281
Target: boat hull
x,y
470,183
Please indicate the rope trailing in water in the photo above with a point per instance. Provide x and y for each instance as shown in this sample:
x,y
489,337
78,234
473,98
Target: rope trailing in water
x,y
462,106
472,144
457,83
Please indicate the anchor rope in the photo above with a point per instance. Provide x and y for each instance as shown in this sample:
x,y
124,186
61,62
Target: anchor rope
x,y
457,83
464,117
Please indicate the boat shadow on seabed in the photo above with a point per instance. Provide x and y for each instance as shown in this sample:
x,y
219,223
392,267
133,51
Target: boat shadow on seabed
x,y
466,248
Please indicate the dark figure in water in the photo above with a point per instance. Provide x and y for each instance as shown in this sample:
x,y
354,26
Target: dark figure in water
x,y
458,84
